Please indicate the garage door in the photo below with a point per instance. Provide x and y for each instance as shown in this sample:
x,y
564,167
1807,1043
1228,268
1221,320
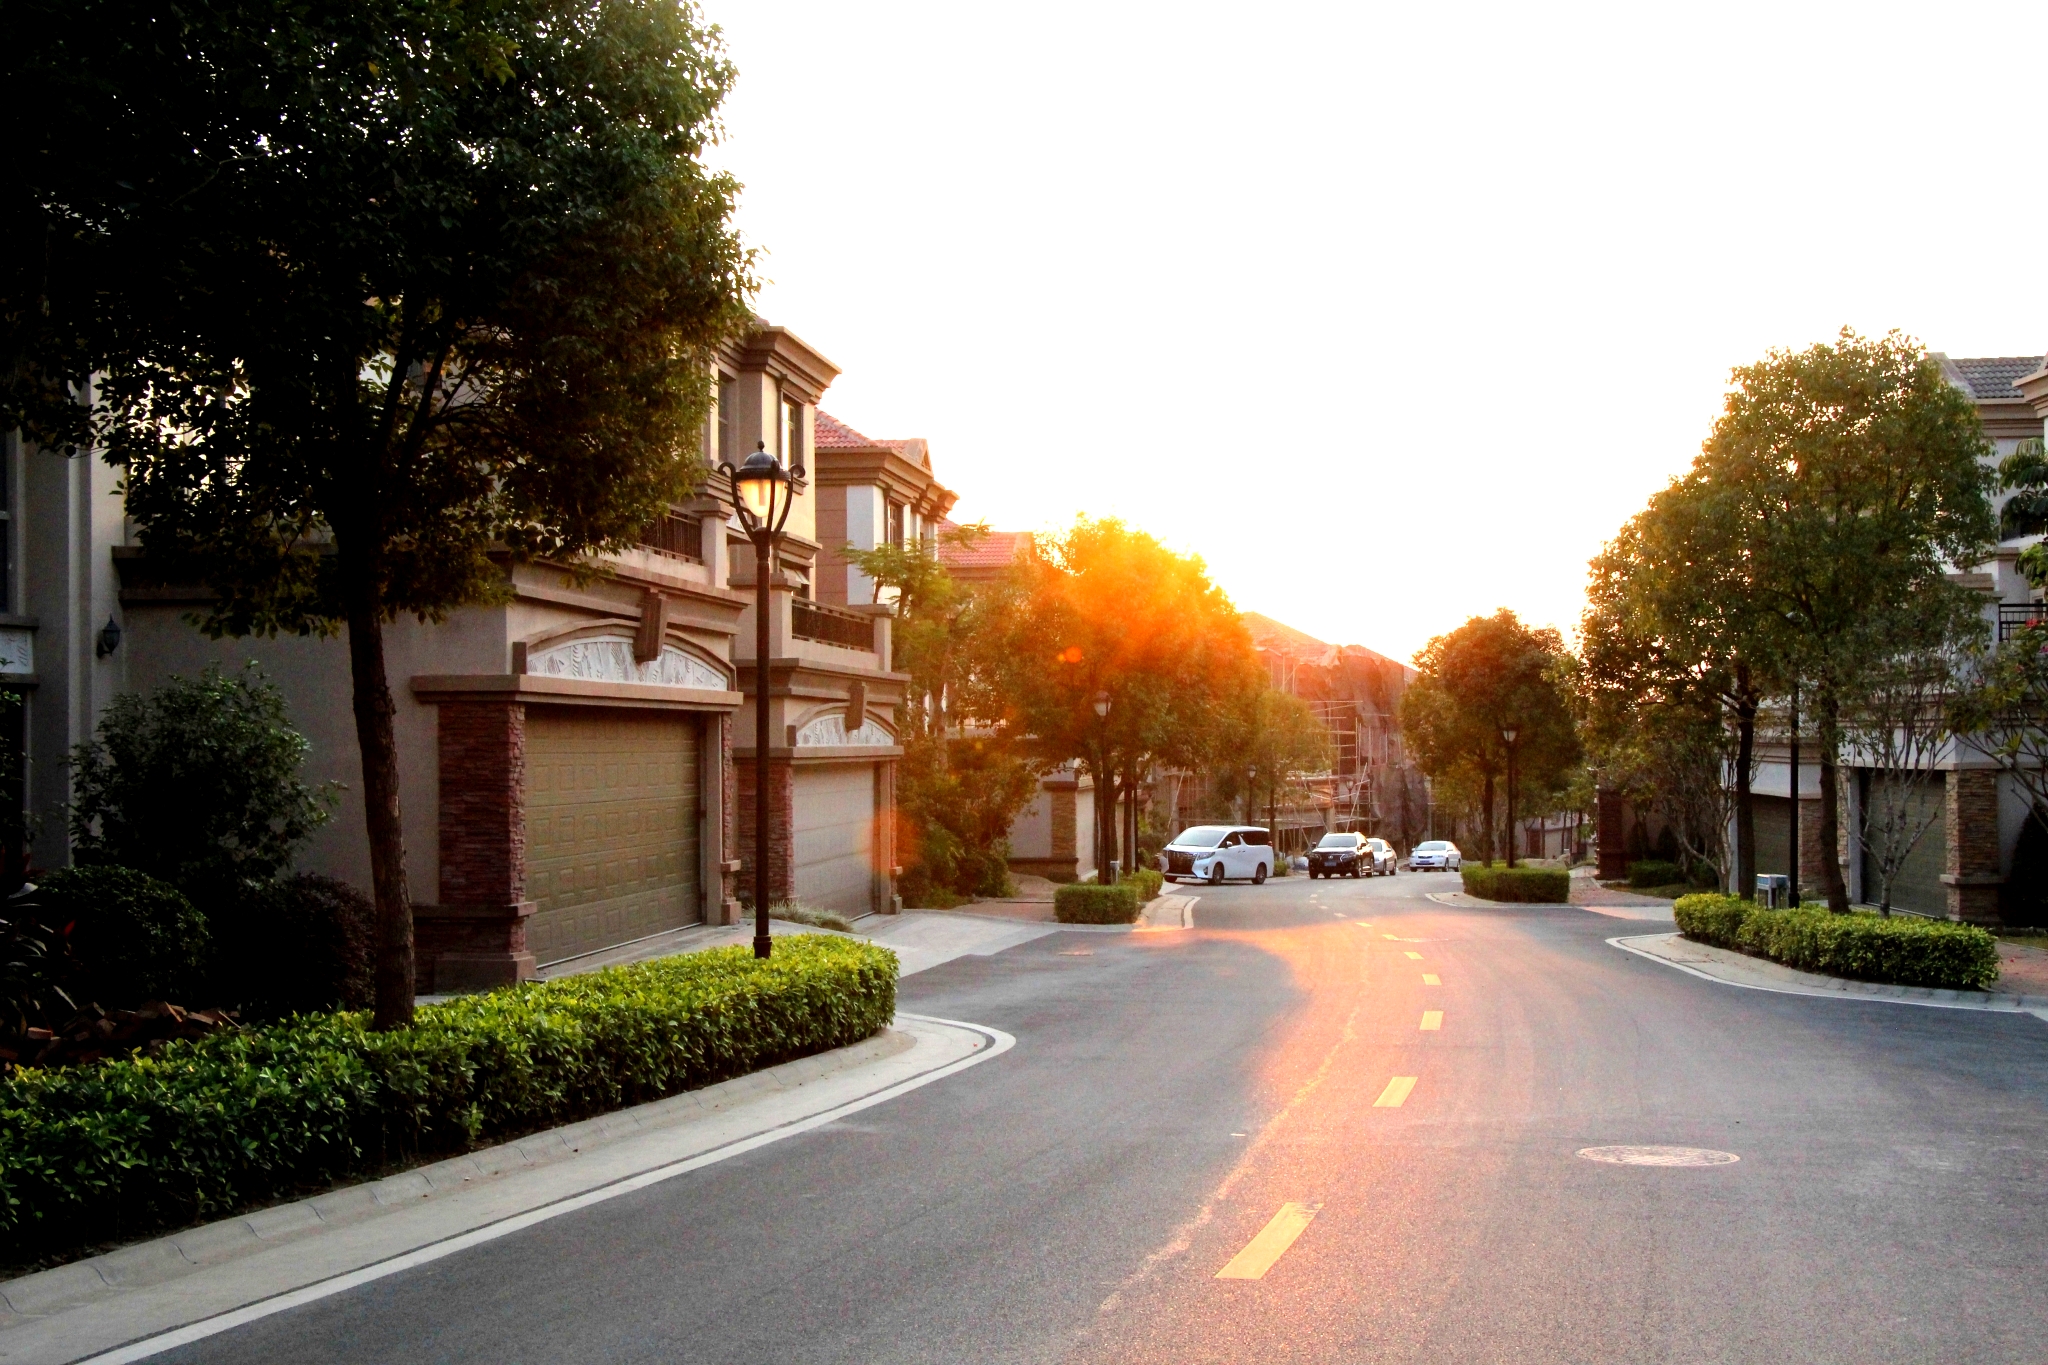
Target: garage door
x,y
611,828
835,837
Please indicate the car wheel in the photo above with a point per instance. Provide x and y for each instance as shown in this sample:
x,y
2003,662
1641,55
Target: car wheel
x,y
1216,873
1259,877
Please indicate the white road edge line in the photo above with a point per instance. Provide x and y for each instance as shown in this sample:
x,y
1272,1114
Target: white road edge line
x,y
145,1347
1813,994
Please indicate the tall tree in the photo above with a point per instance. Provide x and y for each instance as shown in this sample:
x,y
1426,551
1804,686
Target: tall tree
x,y
1855,476
366,294
1489,676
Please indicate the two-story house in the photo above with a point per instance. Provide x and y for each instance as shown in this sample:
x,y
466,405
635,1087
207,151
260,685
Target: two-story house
x,y
573,758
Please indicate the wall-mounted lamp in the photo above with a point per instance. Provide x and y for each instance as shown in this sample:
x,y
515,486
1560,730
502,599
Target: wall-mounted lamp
x,y
109,638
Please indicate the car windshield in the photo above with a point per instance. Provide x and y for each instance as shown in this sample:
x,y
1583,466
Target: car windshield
x,y
1202,836
1339,841
1433,846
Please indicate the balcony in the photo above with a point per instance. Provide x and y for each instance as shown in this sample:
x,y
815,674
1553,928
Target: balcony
x,y
831,625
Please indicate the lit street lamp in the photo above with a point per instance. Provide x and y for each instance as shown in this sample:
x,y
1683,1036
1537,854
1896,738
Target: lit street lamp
x,y
762,497
1507,734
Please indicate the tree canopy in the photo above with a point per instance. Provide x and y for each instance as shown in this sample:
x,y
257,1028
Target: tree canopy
x,y
364,294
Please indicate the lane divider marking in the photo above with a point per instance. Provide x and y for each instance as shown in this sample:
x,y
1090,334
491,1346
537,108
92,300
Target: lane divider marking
x,y
1432,1020
1395,1093
1271,1244
1431,979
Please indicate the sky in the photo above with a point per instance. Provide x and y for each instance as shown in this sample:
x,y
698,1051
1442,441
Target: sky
x,y
1392,313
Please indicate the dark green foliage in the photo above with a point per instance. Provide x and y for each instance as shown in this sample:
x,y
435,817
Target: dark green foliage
x,y
1089,903
299,945
121,1149
196,784
1654,872
136,939
1524,885
1899,949
1145,881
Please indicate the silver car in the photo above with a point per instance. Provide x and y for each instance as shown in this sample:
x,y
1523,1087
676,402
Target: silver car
x,y
1435,855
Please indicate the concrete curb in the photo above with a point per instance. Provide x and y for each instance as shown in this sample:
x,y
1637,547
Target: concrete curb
x,y
144,1299
1729,968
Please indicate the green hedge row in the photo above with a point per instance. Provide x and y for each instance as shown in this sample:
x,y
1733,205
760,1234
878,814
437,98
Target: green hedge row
x,y
1529,885
1089,903
1147,881
120,1149
1903,950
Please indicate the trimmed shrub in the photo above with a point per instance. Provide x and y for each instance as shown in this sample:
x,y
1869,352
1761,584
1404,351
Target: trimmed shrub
x,y
1902,950
1524,885
125,1148
1089,903
1652,872
300,945
1146,881
135,938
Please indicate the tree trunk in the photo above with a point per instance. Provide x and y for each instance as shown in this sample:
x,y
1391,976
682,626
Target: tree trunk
x,y
1745,801
1486,806
1830,813
373,709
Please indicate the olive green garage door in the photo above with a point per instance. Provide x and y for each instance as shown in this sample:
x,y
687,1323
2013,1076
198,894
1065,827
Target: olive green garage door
x,y
835,836
611,827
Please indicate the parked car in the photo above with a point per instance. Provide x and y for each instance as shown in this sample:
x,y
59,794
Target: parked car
x,y
1339,855
1435,855
1215,853
1385,862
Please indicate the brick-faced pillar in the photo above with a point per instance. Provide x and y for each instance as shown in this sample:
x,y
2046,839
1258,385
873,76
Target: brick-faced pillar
x,y
1610,828
781,812
476,937
1971,829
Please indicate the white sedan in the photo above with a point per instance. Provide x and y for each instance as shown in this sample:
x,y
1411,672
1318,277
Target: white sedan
x,y
1435,855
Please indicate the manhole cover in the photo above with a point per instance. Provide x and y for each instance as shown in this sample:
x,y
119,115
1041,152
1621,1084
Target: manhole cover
x,y
1659,1156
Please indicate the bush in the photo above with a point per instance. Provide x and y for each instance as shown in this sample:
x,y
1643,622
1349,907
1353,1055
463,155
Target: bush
x,y
1902,950
1089,903
196,784
1145,881
300,945
125,1148
1653,872
1525,885
135,939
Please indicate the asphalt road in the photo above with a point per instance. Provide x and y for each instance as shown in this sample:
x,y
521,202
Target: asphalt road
x,y
1172,1093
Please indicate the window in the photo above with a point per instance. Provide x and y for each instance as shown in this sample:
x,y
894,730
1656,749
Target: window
x,y
793,437
728,390
894,519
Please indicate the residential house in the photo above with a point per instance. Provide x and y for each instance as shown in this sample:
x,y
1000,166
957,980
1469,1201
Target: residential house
x,y
573,759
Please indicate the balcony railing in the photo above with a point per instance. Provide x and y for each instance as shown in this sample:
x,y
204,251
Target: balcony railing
x,y
831,625
676,535
2014,617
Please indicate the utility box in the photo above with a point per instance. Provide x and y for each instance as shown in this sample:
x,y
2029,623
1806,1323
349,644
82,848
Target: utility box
x,y
1773,890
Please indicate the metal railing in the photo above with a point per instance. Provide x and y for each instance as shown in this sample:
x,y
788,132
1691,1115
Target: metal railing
x,y
831,625
676,535
2014,617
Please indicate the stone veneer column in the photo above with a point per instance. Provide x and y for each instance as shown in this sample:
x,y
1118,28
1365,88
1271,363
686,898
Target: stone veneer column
x,y
476,937
1610,828
1971,873
781,813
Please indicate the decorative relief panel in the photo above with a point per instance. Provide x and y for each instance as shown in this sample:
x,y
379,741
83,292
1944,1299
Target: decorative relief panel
x,y
17,650
831,730
608,658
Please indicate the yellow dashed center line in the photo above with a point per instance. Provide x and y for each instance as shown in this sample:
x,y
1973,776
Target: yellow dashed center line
x,y
1414,957
1396,1092
1271,1244
1432,1020
1431,979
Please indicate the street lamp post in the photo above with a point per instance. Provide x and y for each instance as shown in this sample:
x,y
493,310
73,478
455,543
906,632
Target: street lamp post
x,y
1507,734
761,497
1102,827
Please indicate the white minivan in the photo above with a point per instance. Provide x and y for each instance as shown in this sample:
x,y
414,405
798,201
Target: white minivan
x,y
1215,853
